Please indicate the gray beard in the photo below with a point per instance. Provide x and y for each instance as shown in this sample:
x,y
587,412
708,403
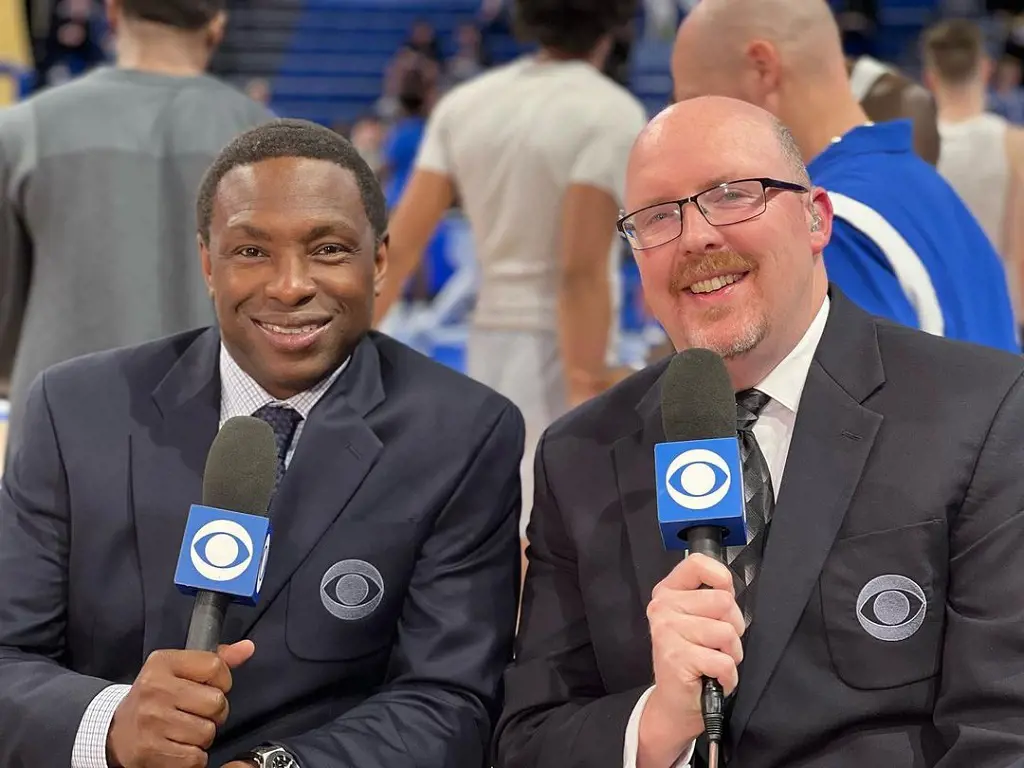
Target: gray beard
x,y
753,335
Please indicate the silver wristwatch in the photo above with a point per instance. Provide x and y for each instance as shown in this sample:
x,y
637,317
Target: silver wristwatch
x,y
271,756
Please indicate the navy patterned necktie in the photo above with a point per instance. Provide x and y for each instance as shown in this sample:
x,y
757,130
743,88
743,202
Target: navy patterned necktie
x,y
284,420
759,496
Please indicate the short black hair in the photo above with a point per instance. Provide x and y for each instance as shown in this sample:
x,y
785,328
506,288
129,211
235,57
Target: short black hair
x,y
412,91
182,14
573,27
292,138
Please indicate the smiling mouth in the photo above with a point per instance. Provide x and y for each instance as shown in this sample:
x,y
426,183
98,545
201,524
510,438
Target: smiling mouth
x,y
714,284
292,337
292,330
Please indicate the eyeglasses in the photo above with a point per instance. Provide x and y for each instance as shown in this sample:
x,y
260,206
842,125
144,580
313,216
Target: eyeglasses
x,y
728,203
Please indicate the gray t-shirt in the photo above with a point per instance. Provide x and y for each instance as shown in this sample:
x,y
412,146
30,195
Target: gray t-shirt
x,y
98,182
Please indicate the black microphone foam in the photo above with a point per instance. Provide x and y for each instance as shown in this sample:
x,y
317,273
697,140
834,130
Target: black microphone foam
x,y
241,469
697,399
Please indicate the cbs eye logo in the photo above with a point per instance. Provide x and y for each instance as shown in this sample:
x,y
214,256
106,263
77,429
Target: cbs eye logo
x,y
702,479
351,590
891,607
221,550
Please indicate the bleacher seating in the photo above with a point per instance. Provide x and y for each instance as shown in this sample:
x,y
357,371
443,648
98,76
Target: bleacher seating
x,y
650,74
325,59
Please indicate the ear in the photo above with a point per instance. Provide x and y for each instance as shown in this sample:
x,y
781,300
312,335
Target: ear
x,y
928,78
764,61
819,219
380,265
986,69
215,30
207,263
600,52
113,11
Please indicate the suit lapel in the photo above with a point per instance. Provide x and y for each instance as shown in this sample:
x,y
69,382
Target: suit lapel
x,y
335,452
831,442
168,454
633,459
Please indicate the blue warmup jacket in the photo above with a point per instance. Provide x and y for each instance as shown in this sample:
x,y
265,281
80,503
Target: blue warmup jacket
x,y
904,246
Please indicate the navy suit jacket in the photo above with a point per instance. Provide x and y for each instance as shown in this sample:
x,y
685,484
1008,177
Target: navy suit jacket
x,y
404,464
904,481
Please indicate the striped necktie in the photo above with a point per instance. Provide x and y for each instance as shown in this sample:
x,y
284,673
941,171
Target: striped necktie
x,y
759,497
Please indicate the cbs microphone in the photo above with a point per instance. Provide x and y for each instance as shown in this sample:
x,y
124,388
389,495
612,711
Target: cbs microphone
x,y
227,538
699,479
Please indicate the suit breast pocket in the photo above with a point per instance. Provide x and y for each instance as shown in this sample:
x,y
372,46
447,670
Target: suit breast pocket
x,y
883,598
344,601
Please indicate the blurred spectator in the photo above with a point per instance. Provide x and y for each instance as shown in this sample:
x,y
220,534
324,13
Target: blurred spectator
x,y
492,10
494,20
858,25
886,94
537,149
258,89
1014,36
367,136
1005,98
423,40
75,42
470,57
616,65
415,98
101,253
982,154
1004,7
405,60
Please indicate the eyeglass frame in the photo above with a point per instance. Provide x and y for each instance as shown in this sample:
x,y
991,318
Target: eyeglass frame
x,y
766,184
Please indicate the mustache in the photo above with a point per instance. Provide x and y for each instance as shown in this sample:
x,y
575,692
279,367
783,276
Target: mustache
x,y
690,272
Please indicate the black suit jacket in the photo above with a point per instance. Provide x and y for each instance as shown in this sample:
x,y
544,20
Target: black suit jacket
x,y
907,459
404,464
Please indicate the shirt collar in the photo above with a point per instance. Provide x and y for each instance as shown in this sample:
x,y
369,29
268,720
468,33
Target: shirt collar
x,y
240,395
895,136
785,384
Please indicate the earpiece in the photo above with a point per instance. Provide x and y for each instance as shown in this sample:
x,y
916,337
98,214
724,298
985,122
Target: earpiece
x,y
816,223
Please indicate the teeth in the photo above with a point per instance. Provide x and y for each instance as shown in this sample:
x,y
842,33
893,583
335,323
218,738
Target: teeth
x,y
290,331
714,284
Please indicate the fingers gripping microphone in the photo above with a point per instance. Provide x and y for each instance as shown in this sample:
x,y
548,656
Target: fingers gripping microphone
x,y
700,478
227,538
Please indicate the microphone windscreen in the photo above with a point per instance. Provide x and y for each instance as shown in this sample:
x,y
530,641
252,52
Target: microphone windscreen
x,y
241,467
697,398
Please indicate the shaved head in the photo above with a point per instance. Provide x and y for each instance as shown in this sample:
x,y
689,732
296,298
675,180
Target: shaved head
x,y
718,31
676,123
784,56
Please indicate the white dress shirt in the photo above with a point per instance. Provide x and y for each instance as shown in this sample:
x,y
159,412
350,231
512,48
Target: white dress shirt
x,y
774,431
240,395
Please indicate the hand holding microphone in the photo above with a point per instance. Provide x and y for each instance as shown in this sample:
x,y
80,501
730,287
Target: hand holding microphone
x,y
696,627
179,698
171,714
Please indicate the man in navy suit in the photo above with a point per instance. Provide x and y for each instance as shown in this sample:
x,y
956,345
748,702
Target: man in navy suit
x,y
401,477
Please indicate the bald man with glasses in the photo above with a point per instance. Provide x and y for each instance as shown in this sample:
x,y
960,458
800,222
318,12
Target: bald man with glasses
x,y
873,618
